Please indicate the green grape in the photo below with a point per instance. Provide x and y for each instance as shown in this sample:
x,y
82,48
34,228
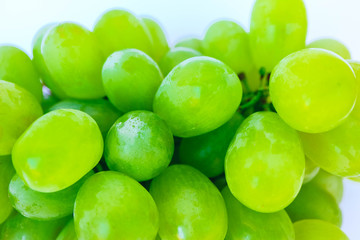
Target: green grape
x,y
305,84
160,45
175,56
131,79
311,170
245,223
253,80
190,206
101,110
278,28
63,142
336,151
17,67
313,229
207,152
330,183
49,99
68,232
265,163
313,202
119,29
19,227
18,109
43,206
198,96
6,173
227,41
111,205
356,67
331,45
74,60
139,144
193,43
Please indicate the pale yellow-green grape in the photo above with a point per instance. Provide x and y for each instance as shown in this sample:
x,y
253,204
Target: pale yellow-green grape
x,y
6,173
119,29
17,67
63,142
356,67
330,183
245,223
313,229
313,90
193,43
175,56
198,96
311,170
18,109
278,28
160,45
227,41
265,163
190,206
112,206
336,151
131,79
331,45
253,80
73,58
68,232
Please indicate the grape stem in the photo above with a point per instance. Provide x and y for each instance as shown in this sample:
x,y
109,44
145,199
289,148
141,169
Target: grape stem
x,y
259,94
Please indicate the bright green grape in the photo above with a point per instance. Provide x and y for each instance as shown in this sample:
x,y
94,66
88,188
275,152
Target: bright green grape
x,y
101,110
331,45
74,60
18,109
68,232
311,170
139,144
160,45
313,229
245,223
131,79
17,67
198,96
119,29
6,173
313,202
313,90
193,43
64,142
111,205
49,99
356,67
265,163
336,151
207,152
330,183
175,56
227,41
278,28
190,206
43,206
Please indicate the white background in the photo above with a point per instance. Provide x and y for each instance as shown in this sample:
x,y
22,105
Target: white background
x,y
20,19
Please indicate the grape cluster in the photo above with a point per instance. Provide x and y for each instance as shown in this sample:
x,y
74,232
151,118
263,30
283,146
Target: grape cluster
x,y
111,134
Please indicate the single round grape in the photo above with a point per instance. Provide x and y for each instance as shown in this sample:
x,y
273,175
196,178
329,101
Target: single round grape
x,y
190,206
6,173
245,223
43,206
207,152
175,56
18,109
330,183
139,144
160,45
227,41
313,229
111,205
331,45
131,79
63,142
68,232
265,163
356,67
313,90
193,43
17,67
74,60
313,202
278,28
198,96
336,151
119,29
311,170
101,110
49,99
